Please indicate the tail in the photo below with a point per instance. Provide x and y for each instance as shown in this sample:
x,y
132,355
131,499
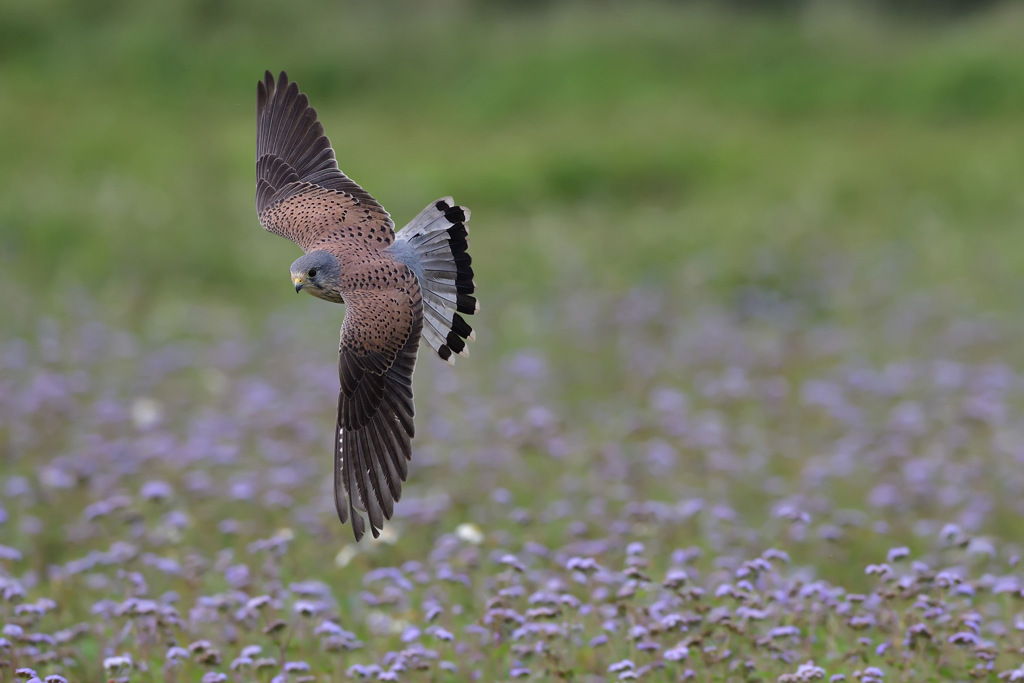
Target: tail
x,y
434,245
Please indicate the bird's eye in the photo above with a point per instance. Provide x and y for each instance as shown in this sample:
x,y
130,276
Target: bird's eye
x,y
312,272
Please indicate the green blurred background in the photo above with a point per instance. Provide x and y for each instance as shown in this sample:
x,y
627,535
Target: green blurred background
x,y
830,153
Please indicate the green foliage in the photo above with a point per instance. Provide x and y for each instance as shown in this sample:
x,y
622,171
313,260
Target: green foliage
x,y
611,142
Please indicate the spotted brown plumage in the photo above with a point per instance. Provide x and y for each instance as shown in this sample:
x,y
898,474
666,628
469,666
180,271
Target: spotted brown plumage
x,y
301,194
396,289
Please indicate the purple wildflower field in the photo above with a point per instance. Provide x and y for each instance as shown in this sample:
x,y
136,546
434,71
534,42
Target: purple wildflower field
x,y
691,494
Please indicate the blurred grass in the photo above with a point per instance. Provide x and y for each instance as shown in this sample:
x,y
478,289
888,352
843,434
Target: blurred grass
x,y
829,158
665,144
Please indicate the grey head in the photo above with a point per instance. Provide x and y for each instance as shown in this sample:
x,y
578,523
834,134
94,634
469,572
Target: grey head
x,y
319,273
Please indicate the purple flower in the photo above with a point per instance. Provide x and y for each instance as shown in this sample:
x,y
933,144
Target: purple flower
x,y
725,590
882,570
156,491
257,603
513,562
675,578
678,653
621,666
9,554
32,609
229,526
328,628
237,575
242,662
199,646
440,633
784,632
176,653
775,554
432,610
963,638
896,554
117,663
251,651
582,564
306,608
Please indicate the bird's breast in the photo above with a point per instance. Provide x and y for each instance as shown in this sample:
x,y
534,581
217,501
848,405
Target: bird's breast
x,y
327,294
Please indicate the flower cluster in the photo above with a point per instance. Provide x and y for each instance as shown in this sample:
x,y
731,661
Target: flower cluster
x,y
728,499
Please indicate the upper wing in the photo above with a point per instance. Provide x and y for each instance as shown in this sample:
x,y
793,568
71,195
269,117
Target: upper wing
x,y
379,339
300,192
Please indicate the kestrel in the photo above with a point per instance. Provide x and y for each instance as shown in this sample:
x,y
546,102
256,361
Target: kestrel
x,y
397,288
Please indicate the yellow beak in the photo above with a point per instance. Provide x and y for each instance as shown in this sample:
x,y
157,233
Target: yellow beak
x,y
299,282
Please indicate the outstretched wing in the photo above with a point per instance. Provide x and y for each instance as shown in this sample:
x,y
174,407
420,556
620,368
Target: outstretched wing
x,y
379,339
300,192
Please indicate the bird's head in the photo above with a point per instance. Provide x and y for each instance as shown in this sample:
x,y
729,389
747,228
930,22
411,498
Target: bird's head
x,y
317,272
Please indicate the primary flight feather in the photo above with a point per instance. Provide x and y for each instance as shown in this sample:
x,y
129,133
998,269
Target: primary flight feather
x,y
397,289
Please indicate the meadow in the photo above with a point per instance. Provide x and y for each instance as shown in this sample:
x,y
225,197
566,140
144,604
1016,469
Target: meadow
x,y
747,402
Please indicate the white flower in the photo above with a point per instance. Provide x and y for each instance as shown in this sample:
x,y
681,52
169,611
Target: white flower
x,y
146,412
387,535
345,556
469,533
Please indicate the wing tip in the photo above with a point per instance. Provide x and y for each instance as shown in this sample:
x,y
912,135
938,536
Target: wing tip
x,y
358,525
270,85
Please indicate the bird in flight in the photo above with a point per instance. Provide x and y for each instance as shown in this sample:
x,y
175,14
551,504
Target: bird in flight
x,y
397,288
